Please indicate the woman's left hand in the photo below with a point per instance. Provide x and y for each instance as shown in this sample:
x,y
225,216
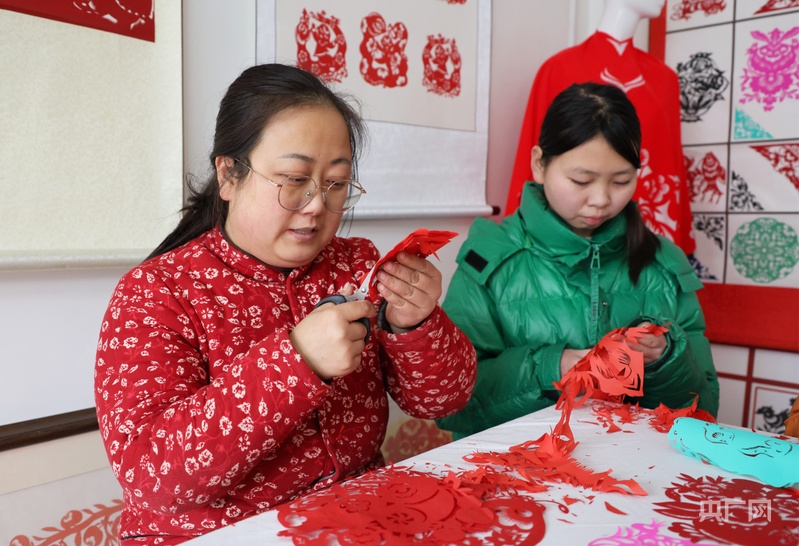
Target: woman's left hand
x,y
651,345
411,286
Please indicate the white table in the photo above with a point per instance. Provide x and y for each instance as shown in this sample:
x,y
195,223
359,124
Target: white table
x,y
743,509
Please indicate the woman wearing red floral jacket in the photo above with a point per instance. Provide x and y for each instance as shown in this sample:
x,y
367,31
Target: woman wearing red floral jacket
x,y
221,390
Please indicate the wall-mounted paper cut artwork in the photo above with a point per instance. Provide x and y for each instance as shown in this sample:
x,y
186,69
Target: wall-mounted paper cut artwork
x,y
684,14
134,18
738,62
702,59
763,250
764,176
772,460
706,171
771,406
746,9
766,84
413,63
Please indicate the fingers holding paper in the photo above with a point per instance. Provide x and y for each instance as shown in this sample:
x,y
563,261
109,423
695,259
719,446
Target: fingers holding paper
x,y
411,286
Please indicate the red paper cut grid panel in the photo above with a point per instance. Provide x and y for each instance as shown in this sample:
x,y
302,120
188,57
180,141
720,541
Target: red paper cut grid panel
x,y
737,61
133,18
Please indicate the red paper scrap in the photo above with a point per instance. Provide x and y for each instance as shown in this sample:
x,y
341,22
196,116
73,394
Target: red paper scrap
x,y
613,509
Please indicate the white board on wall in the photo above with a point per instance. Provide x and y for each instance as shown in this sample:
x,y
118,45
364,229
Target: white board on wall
x,y
91,135
410,170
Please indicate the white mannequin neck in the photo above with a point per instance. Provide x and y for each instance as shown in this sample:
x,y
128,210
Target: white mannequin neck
x,y
618,23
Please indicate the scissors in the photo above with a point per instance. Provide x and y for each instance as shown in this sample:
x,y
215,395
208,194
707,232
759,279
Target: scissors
x,y
359,295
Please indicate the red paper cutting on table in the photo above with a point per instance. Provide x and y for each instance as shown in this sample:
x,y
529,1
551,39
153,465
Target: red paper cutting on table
x,y
400,506
422,242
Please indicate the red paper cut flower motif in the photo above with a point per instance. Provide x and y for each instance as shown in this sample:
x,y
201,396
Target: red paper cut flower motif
x,y
383,59
442,66
413,437
705,180
721,510
400,506
321,46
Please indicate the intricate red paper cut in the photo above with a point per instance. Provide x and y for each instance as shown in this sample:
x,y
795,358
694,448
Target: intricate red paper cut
x,y
777,5
96,526
422,242
686,8
398,506
706,179
383,59
133,18
732,511
321,46
658,198
610,371
442,66
784,158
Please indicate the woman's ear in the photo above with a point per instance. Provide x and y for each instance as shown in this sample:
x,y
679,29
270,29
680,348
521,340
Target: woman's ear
x,y
535,164
224,175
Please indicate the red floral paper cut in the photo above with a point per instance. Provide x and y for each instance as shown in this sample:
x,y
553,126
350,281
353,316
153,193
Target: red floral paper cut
x,y
399,506
686,8
383,59
321,46
422,242
732,511
442,66
784,158
706,178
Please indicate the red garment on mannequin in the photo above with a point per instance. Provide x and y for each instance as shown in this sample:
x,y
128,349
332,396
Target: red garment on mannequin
x,y
653,88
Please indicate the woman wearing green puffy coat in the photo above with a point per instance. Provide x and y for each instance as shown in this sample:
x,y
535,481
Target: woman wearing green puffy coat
x,y
537,291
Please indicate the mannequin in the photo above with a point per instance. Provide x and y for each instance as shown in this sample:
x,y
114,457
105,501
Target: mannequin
x,y
620,18
609,56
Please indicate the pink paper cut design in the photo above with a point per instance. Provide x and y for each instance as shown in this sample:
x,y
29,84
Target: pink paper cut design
x,y
383,59
784,158
640,533
442,66
321,46
771,74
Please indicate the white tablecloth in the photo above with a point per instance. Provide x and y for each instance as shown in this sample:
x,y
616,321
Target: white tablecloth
x,y
747,510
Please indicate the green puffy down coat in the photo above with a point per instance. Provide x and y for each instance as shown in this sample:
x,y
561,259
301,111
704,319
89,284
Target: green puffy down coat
x,y
529,287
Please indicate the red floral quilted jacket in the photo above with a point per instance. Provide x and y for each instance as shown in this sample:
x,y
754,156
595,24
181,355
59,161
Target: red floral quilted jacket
x,y
207,412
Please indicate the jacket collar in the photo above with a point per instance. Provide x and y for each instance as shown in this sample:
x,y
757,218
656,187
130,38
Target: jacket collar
x,y
246,264
551,236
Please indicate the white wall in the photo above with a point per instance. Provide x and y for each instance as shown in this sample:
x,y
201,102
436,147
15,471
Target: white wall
x,y
49,320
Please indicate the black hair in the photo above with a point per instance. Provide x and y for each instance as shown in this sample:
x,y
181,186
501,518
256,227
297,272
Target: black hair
x,y
250,103
578,114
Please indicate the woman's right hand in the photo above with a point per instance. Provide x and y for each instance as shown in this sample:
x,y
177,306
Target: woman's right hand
x,y
330,339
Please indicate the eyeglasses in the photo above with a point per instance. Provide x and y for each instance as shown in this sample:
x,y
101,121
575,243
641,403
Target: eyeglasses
x,y
295,192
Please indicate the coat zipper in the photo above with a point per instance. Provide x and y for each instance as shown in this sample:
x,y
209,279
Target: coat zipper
x,y
595,291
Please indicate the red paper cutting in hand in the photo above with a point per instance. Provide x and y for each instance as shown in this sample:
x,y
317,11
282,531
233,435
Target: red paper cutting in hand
x,y
422,242
611,370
